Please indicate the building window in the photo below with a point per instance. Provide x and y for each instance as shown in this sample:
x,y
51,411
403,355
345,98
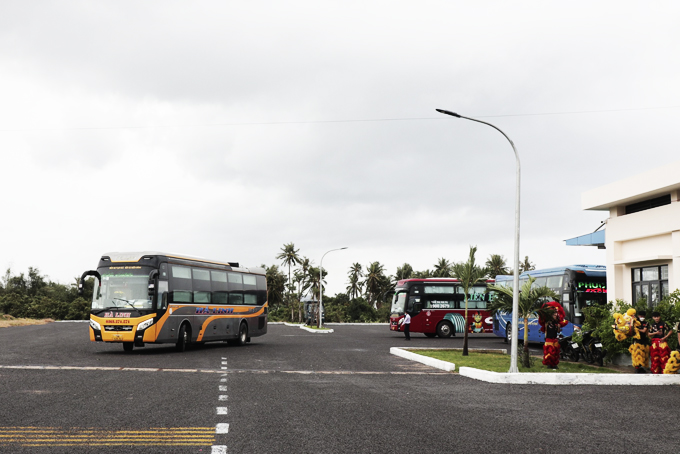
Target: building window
x,y
650,283
648,204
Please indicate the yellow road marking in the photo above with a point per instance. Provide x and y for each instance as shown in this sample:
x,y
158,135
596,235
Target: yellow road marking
x,y
92,436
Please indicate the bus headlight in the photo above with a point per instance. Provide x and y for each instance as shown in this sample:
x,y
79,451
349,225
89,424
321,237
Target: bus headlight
x,y
145,324
95,325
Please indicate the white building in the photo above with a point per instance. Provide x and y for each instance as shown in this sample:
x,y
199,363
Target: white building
x,y
642,235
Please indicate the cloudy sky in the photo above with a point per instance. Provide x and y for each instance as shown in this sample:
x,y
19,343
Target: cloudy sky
x,y
224,129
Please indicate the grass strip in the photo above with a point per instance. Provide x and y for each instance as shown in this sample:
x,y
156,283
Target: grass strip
x,y
496,362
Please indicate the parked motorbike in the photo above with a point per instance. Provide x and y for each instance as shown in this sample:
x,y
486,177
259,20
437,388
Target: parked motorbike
x,y
568,348
591,349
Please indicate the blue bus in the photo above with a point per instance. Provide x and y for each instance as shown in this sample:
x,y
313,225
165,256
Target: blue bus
x,y
578,286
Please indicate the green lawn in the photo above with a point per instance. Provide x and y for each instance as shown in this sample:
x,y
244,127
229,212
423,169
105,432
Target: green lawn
x,y
497,362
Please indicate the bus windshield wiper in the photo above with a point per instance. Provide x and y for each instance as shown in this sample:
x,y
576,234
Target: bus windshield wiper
x,y
125,301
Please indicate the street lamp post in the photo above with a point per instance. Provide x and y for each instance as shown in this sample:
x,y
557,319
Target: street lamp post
x,y
321,284
515,280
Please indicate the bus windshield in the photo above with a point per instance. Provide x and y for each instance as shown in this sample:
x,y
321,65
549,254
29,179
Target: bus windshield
x,y
123,287
399,302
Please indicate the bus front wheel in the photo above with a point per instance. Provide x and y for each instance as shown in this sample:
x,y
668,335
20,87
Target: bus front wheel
x,y
444,329
128,346
182,339
508,333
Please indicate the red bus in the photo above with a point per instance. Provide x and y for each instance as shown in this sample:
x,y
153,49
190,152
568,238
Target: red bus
x,y
437,307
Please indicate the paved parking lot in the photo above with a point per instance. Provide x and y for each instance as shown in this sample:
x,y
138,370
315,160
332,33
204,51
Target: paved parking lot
x,y
293,391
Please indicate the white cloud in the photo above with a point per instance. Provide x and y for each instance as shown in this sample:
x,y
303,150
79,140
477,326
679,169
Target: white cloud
x,y
124,128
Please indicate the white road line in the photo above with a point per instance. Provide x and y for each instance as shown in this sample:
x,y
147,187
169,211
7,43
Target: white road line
x,y
223,388
222,397
218,450
223,371
221,410
222,428
223,380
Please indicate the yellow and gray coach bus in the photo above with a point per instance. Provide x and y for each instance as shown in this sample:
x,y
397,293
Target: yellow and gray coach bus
x,y
153,297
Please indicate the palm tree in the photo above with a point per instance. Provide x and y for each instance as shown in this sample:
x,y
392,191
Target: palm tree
x,y
313,280
403,272
422,274
442,268
276,285
302,280
528,305
289,257
496,265
374,280
526,265
468,273
355,285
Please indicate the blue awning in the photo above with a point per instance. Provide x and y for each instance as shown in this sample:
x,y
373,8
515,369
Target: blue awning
x,y
590,239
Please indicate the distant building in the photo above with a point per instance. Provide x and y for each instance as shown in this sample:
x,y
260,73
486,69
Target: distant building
x,y
642,234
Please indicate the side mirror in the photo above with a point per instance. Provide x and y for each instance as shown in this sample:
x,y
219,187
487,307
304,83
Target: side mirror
x,y
153,277
96,274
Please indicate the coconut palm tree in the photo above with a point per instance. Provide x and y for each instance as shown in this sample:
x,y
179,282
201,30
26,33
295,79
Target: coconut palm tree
x,y
403,272
355,285
529,304
276,285
526,265
496,265
289,257
374,282
313,280
442,268
469,274
422,274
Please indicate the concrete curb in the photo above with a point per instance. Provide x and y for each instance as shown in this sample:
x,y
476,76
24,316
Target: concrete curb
x,y
316,331
568,379
549,378
432,362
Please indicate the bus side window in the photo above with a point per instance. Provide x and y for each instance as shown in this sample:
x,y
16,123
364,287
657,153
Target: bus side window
x,y
235,298
219,287
249,289
162,297
411,303
261,290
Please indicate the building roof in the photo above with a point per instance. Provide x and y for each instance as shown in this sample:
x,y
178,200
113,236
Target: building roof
x,y
647,185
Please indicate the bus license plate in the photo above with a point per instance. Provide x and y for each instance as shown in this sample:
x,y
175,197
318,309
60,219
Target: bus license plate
x,y
118,337
598,345
574,345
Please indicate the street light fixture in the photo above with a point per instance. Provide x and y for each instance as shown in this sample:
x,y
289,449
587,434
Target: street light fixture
x,y
321,284
515,286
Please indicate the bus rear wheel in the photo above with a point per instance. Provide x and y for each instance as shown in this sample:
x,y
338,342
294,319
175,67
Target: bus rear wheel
x,y
444,329
182,339
508,333
128,346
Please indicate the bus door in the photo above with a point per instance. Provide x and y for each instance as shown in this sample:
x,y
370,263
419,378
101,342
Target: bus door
x,y
414,306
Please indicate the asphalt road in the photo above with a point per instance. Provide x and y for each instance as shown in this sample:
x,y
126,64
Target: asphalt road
x,y
298,392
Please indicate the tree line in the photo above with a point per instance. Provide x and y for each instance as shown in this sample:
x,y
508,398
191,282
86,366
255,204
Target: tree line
x,y
369,288
367,295
35,296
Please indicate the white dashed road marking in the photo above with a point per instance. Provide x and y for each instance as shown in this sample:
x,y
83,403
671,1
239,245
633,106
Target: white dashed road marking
x,y
222,428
